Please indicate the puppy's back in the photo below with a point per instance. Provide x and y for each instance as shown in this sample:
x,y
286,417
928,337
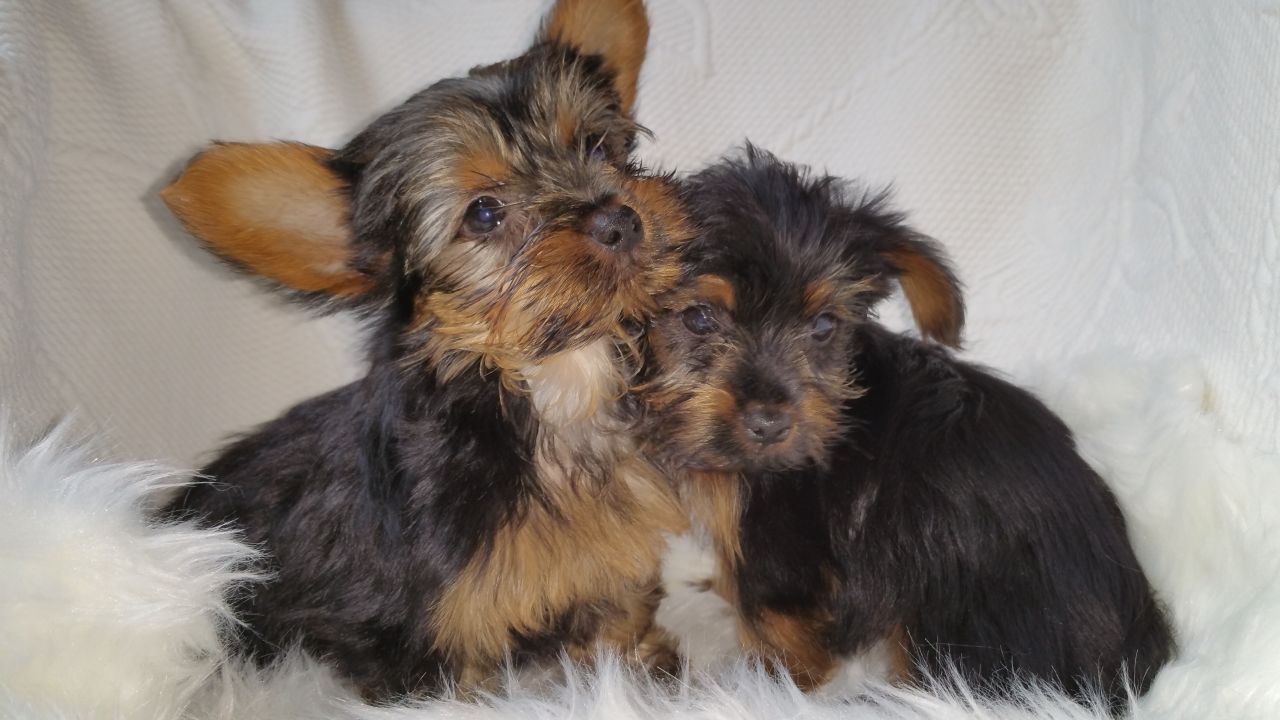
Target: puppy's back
x,y
334,548
1025,557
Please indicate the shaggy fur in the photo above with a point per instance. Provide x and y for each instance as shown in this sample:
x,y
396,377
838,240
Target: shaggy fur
x,y
1203,510
866,491
100,609
476,497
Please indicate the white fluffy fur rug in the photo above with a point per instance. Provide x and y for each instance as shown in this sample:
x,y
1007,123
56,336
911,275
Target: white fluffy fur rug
x,y
103,615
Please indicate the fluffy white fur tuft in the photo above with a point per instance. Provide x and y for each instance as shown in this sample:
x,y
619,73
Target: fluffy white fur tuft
x,y
103,615
1204,515
101,611
301,688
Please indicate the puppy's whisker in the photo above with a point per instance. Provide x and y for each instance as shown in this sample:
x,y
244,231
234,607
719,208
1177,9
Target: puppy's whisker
x,y
515,203
494,183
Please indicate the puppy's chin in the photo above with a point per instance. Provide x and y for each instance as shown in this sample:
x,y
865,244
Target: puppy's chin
x,y
737,460
779,461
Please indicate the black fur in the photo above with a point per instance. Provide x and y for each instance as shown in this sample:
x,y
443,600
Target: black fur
x,y
368,499
946,502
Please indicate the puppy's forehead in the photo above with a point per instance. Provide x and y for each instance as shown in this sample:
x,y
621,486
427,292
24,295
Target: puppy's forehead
x,y
549,88
525,113
768,278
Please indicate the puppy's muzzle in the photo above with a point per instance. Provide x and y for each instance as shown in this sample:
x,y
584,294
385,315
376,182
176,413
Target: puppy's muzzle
x,y
766,424
616,227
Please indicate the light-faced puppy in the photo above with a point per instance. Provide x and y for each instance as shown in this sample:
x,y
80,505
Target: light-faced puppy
x,y
477,495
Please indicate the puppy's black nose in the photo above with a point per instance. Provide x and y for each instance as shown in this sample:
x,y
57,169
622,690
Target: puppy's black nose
x,y
766,424
616,227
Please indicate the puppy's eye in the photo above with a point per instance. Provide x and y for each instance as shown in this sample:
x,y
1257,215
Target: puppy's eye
x,y
483,215
823,326
699,320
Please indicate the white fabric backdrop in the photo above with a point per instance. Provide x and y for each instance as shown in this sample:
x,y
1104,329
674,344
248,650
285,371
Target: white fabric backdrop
x,y
1106,173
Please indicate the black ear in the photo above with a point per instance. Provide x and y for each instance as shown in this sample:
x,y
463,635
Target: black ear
x,y
921,268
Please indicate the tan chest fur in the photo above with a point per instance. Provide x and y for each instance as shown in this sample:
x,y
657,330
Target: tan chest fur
x,y
596,543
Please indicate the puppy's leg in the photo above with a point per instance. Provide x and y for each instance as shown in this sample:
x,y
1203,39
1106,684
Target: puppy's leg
x,y
791,642
628,627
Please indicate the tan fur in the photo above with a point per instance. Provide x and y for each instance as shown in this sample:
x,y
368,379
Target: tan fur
x,y
702,410
838,295
820,416
933,300
818,296
714,504
567,119
616,30
900,670
629,626
717,290
494,310
593,545
708,408
481,171
273,208
496,315
795,643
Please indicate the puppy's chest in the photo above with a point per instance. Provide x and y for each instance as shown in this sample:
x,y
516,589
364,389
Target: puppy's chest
x,y
595,537
584,548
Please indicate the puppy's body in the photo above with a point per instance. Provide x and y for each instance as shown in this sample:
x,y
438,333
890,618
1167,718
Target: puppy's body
x,y
957,516
416,534
865,488
477,495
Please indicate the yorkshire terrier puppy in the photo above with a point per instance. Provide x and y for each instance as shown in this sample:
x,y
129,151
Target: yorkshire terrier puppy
x,y
866,491
477,496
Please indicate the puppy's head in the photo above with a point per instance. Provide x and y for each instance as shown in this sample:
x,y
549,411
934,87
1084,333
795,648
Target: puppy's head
x,y
492,217
752,353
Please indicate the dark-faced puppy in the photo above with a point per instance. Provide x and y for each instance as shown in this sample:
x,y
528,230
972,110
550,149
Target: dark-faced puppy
x,y
477,495
865,490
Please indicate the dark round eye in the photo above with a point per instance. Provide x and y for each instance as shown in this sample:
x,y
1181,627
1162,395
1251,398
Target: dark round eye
x,y
699,320
483,215
823,326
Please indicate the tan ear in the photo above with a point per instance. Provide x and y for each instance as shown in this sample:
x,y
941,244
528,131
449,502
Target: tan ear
x,y
616,30
275,210
937,301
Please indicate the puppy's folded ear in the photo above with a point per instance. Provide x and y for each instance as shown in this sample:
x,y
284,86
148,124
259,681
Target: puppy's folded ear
x,y
926,277
616,30
274,210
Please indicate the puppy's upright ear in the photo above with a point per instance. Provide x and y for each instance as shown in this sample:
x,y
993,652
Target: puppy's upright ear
x,y
931,287
616,30
274,210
